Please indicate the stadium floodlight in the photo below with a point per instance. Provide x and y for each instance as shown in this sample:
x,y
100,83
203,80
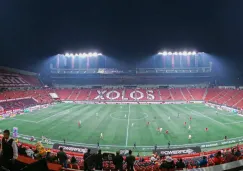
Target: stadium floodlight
x,y
169,53
175,53
80,54
185,53
100,54
76,54
85,55
194,53
189,53
180,53
89,54
95,54
165,53
66,54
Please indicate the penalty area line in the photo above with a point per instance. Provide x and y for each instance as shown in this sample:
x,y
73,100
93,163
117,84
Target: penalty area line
x,y
207,117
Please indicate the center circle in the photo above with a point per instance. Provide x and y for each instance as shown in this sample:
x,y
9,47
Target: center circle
x,y
123,115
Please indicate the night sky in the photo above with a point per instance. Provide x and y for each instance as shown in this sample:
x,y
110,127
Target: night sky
x,y
33,30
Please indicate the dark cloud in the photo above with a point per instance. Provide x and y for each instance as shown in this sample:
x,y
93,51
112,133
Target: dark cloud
x,y
31,31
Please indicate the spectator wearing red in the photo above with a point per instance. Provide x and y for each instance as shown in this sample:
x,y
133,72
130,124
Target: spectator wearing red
x,y
218,158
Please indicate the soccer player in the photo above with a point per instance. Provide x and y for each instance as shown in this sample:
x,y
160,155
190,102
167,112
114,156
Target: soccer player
x,y
169,144
160,130
79,124
225,138
189,127
125,116
132,124
169,118
147,123
101,136
216,112
185,123
167,132
134,145
189,137
206,129
190,118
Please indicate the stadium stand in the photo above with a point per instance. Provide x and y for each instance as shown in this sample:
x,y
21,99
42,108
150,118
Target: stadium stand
x,y
229,97
29,96
17,104
10,77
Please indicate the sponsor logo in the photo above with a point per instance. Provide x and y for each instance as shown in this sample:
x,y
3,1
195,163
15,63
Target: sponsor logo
x,y
121,94
77,149
178,151
209,145
124,152
228,142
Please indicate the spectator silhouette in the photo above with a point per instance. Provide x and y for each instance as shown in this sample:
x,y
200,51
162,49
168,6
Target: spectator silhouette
x,y
130,159
118,161
180,164
62,157
86,157
98,161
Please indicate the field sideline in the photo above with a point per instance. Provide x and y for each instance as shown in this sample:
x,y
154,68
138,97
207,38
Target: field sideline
x,y
61,121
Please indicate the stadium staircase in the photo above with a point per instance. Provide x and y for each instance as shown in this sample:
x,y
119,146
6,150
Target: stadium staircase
x,y
78,94
176,94
212,93
190,94
89,94
171,95
160,96
73,95
235,98
205,93
83,94
186,95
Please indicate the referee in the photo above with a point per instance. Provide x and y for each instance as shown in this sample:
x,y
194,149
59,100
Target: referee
x,y
8,151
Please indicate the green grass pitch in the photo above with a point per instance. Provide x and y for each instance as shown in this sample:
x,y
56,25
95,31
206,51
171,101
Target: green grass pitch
x,y
124,125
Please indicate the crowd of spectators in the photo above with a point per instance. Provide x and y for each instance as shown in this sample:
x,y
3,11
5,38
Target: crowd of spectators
x,y
97,161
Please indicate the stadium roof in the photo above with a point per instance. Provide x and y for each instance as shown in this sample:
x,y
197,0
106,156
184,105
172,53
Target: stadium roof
x,y
17,71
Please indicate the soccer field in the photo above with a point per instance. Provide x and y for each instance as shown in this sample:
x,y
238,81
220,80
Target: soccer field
x,y
124,125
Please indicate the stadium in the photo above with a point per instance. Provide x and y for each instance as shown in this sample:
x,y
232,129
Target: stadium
x,y
168,105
